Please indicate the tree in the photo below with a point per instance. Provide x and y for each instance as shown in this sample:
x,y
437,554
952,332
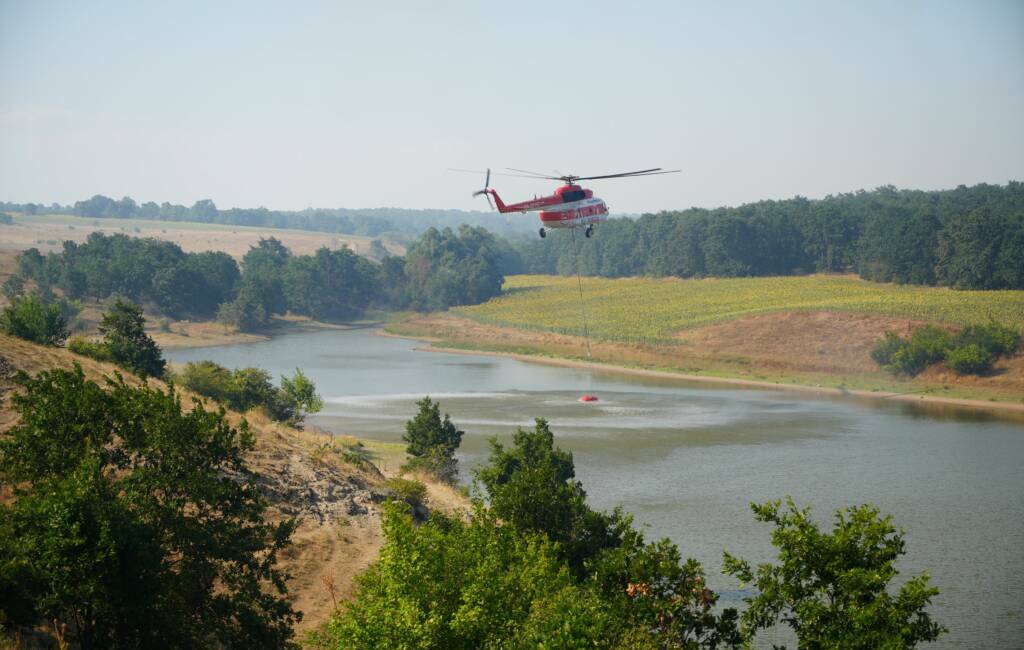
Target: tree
x,y
246,311
531,485
832,588
124,336
34,319
432,441
478,584
137,524
300,393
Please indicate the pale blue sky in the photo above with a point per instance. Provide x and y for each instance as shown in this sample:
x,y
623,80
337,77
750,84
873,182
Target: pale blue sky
x,y
365,104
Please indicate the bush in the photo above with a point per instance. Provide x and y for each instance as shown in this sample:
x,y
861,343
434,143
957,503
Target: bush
x,y
7,220
831,588
247,388
886,349
35,319
432,440
927,345
412,492
972,351
208,379
970,359
126,523
124,335
91,349
994,339
451,584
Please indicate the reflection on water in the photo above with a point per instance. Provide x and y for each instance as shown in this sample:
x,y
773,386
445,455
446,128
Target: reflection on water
x,y
686,459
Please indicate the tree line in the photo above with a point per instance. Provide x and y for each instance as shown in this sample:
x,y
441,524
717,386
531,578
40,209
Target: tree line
x,y
968,237
441,269
395,223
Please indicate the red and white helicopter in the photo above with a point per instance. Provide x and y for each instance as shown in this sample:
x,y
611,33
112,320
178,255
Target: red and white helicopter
x,y
570,206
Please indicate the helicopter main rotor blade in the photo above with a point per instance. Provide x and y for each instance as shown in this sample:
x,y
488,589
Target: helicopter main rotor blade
x,y
535,174
643,172
481,171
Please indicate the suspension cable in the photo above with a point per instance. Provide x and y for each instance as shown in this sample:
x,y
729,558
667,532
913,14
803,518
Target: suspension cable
x,y
579,281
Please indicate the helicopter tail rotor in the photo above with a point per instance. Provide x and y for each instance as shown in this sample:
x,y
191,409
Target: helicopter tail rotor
x,y
485,191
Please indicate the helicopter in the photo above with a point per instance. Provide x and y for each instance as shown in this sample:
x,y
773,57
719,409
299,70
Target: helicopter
x,y
571,206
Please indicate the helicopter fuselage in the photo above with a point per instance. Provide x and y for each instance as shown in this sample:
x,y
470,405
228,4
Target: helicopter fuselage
x,y
570,206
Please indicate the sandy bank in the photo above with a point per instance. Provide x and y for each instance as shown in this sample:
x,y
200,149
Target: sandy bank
x,y
437,345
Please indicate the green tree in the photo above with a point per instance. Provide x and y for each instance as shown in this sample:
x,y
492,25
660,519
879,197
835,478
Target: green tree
x,y
532,485
831,588
246,311
432,440
32,318
300,392
125,338
454,585
137,524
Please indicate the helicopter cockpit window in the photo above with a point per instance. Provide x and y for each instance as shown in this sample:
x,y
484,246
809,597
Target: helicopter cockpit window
x,y
575,195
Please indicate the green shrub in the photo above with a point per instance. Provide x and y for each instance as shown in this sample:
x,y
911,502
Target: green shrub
x,y
994,339
35,319
970,359
431,441
124,335
412,492
927,345
91,349
832,587
885,349
208,379
247,388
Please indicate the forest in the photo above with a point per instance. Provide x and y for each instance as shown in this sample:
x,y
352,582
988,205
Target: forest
x,y
441,269
967,238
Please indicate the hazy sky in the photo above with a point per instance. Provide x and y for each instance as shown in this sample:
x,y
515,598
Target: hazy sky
x,y
365,104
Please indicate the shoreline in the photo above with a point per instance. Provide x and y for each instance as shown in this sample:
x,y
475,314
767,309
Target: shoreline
x,y
914,398
201,337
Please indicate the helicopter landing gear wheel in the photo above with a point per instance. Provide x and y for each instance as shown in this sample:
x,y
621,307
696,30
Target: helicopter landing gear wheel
x,y
543,233
589,231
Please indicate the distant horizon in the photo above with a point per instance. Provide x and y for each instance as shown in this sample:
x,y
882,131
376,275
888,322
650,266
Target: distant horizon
x,y
487,211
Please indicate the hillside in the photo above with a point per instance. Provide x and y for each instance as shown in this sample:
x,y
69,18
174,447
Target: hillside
x,y
813,331
338,504
48,232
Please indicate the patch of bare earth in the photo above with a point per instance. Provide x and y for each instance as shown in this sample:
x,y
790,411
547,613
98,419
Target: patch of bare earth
x,y
830,342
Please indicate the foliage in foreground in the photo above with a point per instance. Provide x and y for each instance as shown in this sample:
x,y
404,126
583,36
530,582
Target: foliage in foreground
x,y
539,568
971,351
431,441
831,587
485,584
511,576
136,524
33,318
246,388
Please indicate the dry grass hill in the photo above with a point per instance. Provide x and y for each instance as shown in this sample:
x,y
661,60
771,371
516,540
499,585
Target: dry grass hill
x,y
337,503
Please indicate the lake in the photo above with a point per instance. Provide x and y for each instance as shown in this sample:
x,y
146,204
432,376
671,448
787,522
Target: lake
x,y
686,459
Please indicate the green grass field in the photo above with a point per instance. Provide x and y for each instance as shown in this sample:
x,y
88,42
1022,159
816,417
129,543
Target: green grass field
x,y
648,310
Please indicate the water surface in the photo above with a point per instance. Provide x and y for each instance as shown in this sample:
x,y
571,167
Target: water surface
x,y
686,459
